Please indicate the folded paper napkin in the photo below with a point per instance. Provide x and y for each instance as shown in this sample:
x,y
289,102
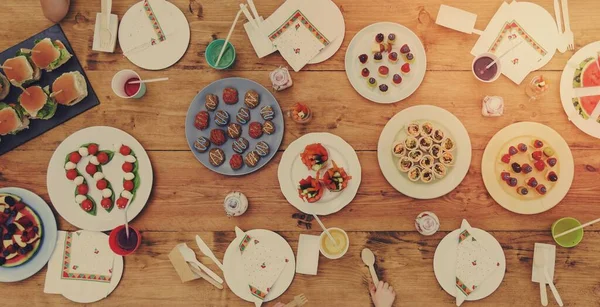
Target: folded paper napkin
x,y
262,265
81,259
474,264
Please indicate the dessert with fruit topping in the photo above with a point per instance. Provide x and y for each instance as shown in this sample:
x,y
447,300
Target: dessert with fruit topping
x,y
383,71
393,57
21,231
363,58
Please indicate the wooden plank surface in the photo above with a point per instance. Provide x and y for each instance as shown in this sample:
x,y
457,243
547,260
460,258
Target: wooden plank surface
x,y
187,198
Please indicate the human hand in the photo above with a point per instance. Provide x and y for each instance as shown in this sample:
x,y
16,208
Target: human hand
x,y
383,295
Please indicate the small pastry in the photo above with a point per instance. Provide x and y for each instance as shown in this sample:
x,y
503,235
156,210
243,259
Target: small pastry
x,y
436,151
541,189
379,37
516,167
512,150
405,69
377,47
493,106
538,144
409,58
255,131
426,129
383,71
438,136
522,190
413,129
201,144
378,57
240,145
526,168
391,38
548,152
552,176
532,182
522,147
427,176
262,149
243,116
405,164
447,158
268,127
221,118
212,102
234,131
414,174
512,181
505,158
552,161
372,82
411,143
396,79
539,165
236,162
504,176
230,95
218,137
383,88
439,170
365,72
536,155
398,149
388,47
425,143
267,113
404,49
448,144
415,155
252,158
427,161
363,58
216,156
201,121
251,99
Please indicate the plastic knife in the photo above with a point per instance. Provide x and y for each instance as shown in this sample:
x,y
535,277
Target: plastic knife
x,y
206,251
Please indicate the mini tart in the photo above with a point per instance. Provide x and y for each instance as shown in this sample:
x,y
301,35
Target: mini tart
x,y
398,149
393,57
425,143
414,173
216,156
415,155
396,80
447,158
426,129
256,130
439,170
438,136
411,143
409,58
427,176
436,151
448,144
218,137
413,129
405,164
427,162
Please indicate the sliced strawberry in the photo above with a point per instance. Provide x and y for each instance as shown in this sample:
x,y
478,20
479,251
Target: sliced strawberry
x,y
106,203
102,157
127,167
128,185
93,149
72,174
75,157
90,169
101,184
83,189
506,158
125,150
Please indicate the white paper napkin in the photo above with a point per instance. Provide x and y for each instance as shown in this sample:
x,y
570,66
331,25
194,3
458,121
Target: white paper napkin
x,y
474,263
308,255
261,43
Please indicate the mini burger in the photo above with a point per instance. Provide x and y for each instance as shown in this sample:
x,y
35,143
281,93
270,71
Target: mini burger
x,y
49,55
70,88
4,87
12,119
22,71
36,103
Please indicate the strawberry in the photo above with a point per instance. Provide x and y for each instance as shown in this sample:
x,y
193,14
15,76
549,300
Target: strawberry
x,y
512,150
539,165
106,203
101,184
127,167
72,174
93,149
125,150
82,189
102,157
536,155
90,169
506,158
128,185
75,157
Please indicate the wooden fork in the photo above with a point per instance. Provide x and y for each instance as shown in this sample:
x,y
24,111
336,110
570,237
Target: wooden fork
x,y
299,300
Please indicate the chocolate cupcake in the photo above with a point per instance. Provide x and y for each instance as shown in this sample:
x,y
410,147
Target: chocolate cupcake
x,y
212,102
216,156
240,145
236,162
267,113
243,116
262,149
255,131
201,144
230,95
252,158
251,99
202,120
218,137
221,118
234,130
268,127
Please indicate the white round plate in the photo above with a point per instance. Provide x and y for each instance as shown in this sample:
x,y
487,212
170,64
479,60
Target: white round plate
x,y
394,130
510,201
291,170
362,43
590,126
233,268
444,264
88,291
61,189
334,16
136,31
49,233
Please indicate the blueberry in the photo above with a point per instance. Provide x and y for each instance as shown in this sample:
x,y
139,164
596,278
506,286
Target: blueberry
x,y
2,261
28,247
16,246
6,236
13,213
524,191
12,227
5,253
22,251
10,201
7,210
35,229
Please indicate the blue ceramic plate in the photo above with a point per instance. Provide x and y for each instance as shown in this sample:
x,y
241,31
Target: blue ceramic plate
x,y
49,234
242,85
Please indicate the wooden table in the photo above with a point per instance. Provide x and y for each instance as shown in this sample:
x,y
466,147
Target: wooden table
x,y
187,198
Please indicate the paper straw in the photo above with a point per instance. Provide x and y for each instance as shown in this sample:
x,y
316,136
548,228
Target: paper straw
x,y
325,230
254,11
576,228
237,16
505,52
248,16
148,81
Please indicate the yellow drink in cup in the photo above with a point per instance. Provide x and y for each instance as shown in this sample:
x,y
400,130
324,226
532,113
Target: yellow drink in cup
x,y
337,250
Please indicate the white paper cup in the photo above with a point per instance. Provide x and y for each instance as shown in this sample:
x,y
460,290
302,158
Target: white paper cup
x,y
118,84
325,237
493,57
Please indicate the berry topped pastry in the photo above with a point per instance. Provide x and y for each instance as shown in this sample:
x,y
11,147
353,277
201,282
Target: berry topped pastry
x,y
396,79
365,72
383,71
391,38
363,58
404,49
405,69
379,37
393,57
378,57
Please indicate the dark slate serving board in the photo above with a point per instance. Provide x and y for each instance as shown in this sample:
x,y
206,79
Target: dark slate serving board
x,y
63,113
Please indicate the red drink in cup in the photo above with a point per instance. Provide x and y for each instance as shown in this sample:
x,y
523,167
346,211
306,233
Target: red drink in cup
x,y
132,89
122,87
480,70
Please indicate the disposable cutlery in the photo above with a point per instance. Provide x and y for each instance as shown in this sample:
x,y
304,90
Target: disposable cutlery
x,y
206,251
189,256
568,35
562,45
